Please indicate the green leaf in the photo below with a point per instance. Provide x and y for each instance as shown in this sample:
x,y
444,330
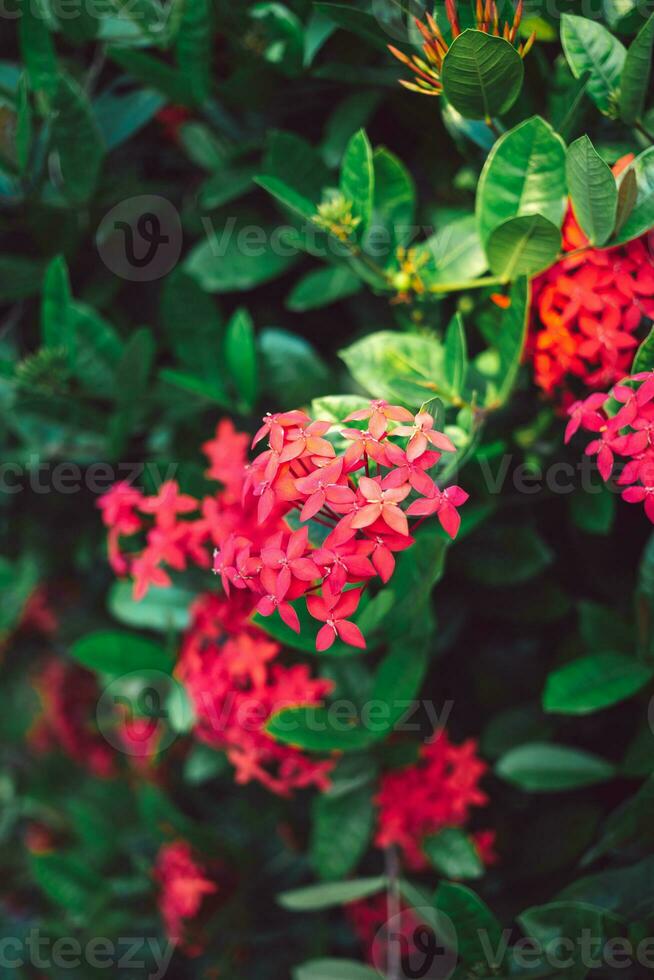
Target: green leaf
x,y
482,75
37,48
453,854
153,72
395,199
292,371
211,389
627,197
456,355
322,287
359,22
631,823
602,627
192,323
281,35
239,257
558,925
113,652
291,159
626,891
134,368
334,969
644,359
358,176
476,928
193,48
296,202
523,246
97,350
593,513
67,882
321,729
541,767
241,356
24,125
77,139
121,116
593,191
641,218
511,337
593,683
455,253
57,318
524,174
634,81
589,46
162,609
314,898
397,366
348,819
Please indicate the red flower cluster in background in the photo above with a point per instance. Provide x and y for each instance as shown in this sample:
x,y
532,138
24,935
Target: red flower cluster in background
x,y
626,432
184,885
230,671
586,310
438,791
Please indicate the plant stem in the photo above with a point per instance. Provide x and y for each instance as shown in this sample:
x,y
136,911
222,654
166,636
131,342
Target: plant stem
x,y
452,287
394,954
641,129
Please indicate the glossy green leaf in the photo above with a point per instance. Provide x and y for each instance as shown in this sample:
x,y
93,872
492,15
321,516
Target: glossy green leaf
x,y
482,75
454,254
627,197
57,318
453,854
524,174
239,257
593,513
589,46
37,48
644,359
593,190
394,200
476,928
322,287
523,246
542,767
593,683
193,48
241,356
641,218
292,371
456,355
330,895
358,176
397,367
334,969
77,139
161,609
348,818
114,652
634,81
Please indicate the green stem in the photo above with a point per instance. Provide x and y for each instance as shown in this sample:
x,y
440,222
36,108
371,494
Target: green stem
x,y
454,287
641,129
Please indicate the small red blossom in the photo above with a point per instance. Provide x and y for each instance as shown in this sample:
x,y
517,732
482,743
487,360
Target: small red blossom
x,y
438,791
183,887
625,437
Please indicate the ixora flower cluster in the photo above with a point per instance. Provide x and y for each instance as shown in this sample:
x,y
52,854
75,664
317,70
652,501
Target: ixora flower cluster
x,y
184,887
586,310
438,791
622,423
356,495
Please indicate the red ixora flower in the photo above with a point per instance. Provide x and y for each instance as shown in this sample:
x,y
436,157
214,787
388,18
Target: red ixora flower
x,y
440,790
586,311
627,433
364,496
184,885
